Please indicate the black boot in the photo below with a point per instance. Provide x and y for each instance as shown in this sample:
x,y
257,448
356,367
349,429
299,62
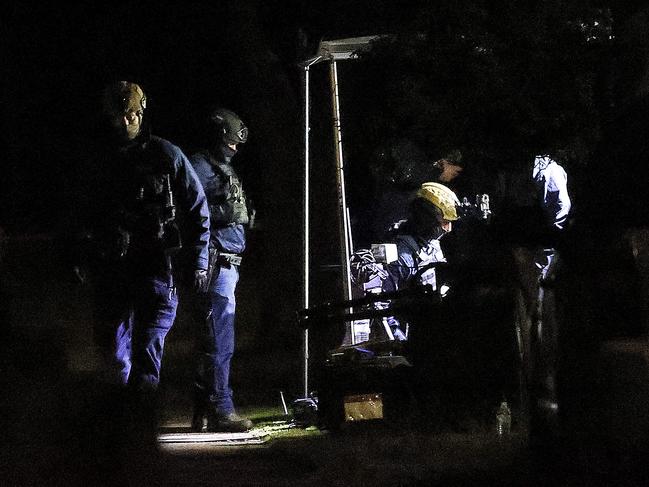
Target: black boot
x,y
226,422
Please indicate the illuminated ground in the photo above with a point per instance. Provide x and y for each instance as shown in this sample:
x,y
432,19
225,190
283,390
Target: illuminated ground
x,y
365,454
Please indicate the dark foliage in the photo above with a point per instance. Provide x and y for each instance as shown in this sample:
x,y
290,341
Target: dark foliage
x,y
503,83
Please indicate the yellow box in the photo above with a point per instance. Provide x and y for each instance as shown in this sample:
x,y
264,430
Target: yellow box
x,y
361,407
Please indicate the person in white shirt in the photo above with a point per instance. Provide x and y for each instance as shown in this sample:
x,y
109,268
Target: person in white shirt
x,y
552,183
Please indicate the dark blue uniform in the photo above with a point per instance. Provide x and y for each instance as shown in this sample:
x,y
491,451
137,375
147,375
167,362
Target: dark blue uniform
x,y
228,215
416,256
148,208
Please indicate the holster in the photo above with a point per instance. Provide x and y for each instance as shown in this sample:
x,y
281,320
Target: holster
x,y
218,258
212,264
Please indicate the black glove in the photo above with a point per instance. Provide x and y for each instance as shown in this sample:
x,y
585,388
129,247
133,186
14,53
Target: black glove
x,y
200,280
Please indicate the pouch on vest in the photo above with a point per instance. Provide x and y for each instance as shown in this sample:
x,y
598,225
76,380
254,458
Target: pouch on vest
x,y
234,208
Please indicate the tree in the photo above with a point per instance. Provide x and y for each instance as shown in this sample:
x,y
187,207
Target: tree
x,y
503,83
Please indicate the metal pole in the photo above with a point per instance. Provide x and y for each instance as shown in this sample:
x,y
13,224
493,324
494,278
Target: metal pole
x,y
352,323
349,231
340,177
305,338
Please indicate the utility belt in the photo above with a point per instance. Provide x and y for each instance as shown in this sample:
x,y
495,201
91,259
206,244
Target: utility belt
x,y
218,257
225,258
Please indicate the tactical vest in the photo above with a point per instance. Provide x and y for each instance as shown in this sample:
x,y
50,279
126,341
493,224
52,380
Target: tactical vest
x,y
424,258
428,255
232,206
150,210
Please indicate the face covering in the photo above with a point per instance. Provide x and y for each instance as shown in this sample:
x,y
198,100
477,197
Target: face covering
x,y
437,232
225,153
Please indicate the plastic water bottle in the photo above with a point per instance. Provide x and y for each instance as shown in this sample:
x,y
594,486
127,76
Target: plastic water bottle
x,y
503,419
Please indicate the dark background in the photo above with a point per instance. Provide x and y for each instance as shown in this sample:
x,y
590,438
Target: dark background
x,y
538,82
541,79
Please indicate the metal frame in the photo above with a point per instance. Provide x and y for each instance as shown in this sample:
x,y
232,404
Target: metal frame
x,y
329,51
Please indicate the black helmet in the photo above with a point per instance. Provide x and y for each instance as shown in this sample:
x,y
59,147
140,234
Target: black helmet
x,y
232,127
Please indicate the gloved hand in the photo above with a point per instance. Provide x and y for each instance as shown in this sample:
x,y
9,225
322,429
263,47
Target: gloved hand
x,y
200,280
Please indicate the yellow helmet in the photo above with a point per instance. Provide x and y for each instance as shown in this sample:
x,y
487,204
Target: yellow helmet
x,y
442,197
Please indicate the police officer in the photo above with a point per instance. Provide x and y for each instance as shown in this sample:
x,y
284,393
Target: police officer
x,y
229,215
431,215
145,206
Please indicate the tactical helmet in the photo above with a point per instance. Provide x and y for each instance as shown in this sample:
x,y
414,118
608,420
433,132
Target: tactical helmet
x,y
123,97
124,100
233,129
441,197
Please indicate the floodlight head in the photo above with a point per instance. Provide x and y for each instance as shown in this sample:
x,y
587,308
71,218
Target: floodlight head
x,y
341,49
